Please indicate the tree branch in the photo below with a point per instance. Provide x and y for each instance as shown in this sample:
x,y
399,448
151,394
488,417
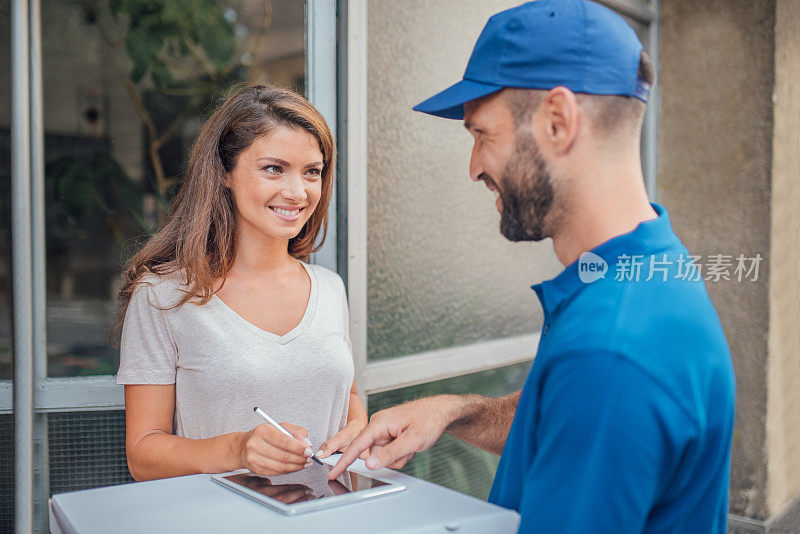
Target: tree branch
x,y
155,159
170,131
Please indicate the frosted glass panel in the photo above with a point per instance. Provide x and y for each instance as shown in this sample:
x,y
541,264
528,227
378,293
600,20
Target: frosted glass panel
x,y
439,272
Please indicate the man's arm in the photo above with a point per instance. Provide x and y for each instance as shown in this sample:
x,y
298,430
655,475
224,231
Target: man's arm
x,y
484,421
396,434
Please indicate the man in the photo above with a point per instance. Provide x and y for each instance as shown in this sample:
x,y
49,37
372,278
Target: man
x,y
625,420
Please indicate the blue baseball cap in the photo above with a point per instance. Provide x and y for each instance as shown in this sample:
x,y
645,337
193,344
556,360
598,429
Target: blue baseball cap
x,y
577,44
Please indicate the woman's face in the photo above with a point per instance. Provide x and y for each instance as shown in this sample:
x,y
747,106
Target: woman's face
x,y
277,183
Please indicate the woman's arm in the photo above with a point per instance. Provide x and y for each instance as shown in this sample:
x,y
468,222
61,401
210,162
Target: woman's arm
x,y
356,413
154,452
356,421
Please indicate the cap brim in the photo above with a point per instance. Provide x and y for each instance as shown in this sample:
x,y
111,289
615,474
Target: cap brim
x,y
449,104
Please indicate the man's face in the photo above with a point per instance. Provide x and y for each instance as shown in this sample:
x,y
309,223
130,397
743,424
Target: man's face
x,y
507,159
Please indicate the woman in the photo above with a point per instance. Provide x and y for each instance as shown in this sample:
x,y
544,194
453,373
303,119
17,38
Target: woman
x,y
220,312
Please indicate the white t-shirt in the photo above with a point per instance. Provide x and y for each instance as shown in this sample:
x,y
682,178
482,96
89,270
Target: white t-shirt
x,y
223,366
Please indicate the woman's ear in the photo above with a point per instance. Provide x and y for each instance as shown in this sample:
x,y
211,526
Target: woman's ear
x,y
226,180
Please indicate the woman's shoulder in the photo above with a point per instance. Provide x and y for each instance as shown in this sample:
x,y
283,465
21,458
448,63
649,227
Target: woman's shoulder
x,y
168,287
326,277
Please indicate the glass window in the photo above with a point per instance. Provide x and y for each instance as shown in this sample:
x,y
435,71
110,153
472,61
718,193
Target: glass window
x,y
451,462
126,85
6,356
439,272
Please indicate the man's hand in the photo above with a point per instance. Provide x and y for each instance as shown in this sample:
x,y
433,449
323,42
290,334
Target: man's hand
x,y
396,434
341,440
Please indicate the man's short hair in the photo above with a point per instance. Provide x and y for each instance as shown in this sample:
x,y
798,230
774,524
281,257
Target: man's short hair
x,y
609,113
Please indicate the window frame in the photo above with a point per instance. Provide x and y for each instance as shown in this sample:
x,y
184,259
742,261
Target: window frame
x,y
94,392
31,392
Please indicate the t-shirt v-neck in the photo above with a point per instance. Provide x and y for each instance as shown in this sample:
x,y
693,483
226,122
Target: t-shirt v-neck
x,y
289,336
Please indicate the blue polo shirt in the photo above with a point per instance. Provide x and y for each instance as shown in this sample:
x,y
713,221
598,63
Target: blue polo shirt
x,y
626,418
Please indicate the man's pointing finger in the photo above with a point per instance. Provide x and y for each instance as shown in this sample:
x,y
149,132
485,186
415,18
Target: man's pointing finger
x,y
362,442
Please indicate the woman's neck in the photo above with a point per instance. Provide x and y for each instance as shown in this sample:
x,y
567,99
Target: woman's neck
x,y
259,254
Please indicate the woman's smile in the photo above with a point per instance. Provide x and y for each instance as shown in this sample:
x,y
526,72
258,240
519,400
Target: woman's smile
x,y
287,213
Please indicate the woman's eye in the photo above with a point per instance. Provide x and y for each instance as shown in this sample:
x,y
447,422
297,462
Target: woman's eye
x,y
315,172
273,169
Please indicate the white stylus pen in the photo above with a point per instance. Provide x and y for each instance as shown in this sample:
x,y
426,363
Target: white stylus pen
x,y
262,414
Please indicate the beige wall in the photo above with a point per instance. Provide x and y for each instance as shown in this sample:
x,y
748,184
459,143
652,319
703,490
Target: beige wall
x,y
783,369
715,164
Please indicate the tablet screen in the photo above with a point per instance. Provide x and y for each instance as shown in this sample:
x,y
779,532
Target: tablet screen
x,y
308,484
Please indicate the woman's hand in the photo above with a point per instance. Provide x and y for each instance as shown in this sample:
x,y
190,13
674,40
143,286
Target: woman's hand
x,y
267,451
340,441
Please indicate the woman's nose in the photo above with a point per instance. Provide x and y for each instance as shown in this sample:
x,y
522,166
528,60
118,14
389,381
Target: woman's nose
x,y
294,189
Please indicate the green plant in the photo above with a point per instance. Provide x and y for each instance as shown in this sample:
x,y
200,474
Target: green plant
x,y
90,189
183,55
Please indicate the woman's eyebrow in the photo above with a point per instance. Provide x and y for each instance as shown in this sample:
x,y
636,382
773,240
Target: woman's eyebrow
x,y
286,163
276,160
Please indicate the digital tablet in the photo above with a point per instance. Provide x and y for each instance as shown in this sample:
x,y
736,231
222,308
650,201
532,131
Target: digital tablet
x,y
308,489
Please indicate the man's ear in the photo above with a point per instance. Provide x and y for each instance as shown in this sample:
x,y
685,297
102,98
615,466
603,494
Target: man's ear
x,y
561,118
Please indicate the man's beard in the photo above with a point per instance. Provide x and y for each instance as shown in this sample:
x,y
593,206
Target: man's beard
x,y
527,193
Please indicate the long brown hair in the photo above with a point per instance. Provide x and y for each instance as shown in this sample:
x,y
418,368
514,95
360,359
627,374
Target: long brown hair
x,y
199,236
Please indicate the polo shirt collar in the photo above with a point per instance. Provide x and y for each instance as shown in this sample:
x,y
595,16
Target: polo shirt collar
x,y
647,238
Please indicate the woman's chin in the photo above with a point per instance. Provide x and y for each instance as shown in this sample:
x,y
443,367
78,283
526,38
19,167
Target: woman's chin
x,y
287,233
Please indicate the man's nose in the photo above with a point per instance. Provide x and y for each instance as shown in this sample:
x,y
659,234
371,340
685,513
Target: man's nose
x,y
475,166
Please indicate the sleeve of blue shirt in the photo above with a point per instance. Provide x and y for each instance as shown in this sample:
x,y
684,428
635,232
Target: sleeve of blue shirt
x,y
602,447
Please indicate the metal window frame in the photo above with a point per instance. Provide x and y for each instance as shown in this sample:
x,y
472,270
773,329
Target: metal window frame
x,y
385,375
321,91
405,371
651,117
31,394
356,161
643,11
21,267
647,12
98,392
